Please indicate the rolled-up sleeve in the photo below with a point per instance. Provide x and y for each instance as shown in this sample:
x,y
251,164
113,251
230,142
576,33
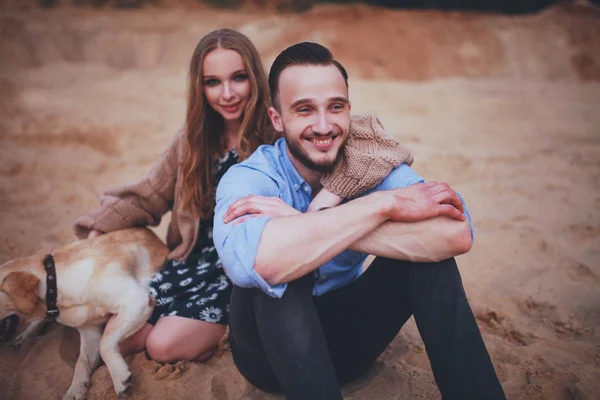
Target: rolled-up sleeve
x,y
237,245
467,215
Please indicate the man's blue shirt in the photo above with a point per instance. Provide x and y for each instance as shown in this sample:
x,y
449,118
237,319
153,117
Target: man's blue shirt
x,y
270,172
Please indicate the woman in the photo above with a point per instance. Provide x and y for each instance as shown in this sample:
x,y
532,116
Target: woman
x,y
226,120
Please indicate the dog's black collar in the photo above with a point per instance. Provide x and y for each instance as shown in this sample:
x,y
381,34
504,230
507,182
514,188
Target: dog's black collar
x,y
51,293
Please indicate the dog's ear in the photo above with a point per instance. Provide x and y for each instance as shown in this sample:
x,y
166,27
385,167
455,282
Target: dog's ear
x,y
21,288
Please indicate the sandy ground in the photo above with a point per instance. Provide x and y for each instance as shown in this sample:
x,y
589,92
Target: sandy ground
x,y
507,110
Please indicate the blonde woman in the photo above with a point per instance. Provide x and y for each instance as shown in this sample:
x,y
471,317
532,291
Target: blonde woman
x,y
226,121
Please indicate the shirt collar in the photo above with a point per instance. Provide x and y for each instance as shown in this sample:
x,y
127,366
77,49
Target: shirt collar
x,y
297,181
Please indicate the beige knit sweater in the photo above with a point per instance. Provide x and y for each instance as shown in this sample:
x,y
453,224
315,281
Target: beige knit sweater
x,y
146,201
369,155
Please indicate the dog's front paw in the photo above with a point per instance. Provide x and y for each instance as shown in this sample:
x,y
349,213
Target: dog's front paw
x,y
77,392
122,386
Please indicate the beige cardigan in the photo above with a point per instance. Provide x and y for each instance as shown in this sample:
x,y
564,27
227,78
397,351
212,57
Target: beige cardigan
x,y
146,201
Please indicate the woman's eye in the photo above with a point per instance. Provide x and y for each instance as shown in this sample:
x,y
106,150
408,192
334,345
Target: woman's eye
x,y
211,82
240,77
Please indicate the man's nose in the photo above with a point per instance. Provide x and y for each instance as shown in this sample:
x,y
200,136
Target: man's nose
x,y
322,124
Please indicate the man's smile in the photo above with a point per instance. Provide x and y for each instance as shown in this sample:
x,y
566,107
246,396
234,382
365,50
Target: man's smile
x,y
323,142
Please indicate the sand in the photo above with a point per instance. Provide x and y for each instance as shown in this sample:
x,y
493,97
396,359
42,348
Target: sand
x,y
505,109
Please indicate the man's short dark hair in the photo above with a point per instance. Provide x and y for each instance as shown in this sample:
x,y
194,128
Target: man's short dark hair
x,y
305,53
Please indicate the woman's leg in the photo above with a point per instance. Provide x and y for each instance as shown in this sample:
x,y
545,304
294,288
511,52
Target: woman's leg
x,y
188,295
176,338
136,342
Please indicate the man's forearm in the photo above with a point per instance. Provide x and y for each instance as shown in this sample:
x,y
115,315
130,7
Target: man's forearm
x,y
434,239
290,247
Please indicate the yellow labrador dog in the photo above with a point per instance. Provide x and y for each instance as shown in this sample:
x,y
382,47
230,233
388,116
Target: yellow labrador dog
x,y
93,279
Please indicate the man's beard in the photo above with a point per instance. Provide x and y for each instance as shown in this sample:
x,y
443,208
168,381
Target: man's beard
x,y
302,156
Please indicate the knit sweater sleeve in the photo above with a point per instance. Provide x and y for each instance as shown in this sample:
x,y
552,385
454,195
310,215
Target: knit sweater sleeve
x,y
139,204
368,156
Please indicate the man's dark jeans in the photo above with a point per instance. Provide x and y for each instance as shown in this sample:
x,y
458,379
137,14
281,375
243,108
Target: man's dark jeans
x,y
307,346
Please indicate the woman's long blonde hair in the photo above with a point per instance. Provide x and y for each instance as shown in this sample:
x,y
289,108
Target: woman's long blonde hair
x,y
205,127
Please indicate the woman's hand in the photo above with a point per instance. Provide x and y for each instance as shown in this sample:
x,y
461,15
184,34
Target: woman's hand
x,y
93,233
324,199
258,206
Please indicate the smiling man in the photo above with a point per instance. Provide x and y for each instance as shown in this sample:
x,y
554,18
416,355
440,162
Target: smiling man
x,y
313,139
304,318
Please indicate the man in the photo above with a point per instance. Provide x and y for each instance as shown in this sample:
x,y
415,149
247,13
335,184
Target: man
x,y
304,318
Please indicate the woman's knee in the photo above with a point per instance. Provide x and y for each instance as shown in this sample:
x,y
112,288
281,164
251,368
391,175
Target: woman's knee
x,y
164,350
166,346
161,347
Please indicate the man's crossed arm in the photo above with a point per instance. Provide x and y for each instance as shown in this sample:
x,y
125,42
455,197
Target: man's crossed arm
x,y
421,222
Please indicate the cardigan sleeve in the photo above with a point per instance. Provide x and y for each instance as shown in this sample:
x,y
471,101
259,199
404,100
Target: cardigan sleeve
x,y
139,204
368,157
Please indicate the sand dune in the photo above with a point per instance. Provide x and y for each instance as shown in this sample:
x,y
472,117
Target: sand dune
x,y
504,109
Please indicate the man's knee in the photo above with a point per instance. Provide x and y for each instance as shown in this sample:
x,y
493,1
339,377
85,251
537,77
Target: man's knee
x,y
383,261
390,269
288,321
295,302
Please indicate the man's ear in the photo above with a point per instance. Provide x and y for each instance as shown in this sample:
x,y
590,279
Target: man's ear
x,y
276,119
22,288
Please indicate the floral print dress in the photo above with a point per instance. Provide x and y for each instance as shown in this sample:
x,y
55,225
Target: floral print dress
x,y
197,287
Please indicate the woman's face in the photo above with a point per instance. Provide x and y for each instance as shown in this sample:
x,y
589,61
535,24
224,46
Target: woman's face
x,y
226,83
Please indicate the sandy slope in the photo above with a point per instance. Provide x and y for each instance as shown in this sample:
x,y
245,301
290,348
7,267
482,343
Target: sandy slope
x,y
511,120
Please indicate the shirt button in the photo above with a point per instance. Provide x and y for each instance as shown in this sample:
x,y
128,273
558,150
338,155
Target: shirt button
x,y
270,290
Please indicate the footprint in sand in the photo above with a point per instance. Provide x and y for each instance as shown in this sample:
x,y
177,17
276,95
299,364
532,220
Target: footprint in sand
x,y
499,325
583,231
582,272
12,169
491,318
569,327
536,309
548,315
170,371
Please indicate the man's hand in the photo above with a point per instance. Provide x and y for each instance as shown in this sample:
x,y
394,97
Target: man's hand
x,y
258,206
423,201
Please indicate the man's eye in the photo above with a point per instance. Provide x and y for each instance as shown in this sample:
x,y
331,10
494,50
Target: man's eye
x,y
337,107
303,110
211,82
